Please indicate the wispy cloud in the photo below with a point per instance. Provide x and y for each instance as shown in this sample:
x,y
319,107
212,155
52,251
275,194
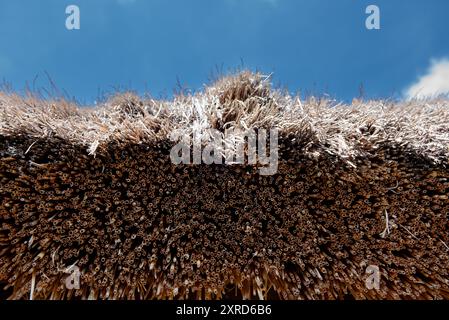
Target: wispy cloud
x,y
435,82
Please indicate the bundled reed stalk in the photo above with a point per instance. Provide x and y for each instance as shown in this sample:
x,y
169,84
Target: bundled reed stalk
x,y
357,185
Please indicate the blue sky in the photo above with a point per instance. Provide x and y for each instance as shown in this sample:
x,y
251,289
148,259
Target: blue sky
x,y
311,46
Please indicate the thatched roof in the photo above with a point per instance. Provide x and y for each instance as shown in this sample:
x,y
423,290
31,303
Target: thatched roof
x,y
242,101
358,186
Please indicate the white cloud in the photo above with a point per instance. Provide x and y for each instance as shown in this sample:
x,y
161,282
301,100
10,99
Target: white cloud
x,y
435,82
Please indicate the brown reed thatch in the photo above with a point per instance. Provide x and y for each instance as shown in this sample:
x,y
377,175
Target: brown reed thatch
x,y
357,185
